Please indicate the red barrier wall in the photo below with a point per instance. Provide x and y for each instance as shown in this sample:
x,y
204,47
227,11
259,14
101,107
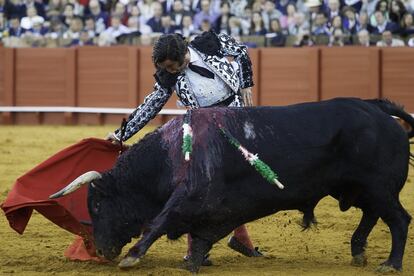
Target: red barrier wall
x,y
123,76
398,76
2,71
350,72
288,75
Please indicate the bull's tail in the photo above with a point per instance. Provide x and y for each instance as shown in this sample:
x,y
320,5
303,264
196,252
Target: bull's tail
x,y
395,110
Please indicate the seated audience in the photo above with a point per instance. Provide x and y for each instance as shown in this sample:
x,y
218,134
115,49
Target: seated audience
x,y
388,41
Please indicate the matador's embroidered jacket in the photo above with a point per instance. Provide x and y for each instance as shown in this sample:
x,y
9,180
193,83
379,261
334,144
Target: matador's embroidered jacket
x,y
211,47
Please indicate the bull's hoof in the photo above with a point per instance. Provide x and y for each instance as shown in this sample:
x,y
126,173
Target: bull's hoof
x,y
387,269
128,262
359,260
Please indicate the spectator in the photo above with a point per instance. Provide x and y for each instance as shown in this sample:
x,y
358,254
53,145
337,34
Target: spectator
x,y
120,11
396,11
145,40
221,25
304,40
363,22
167,6
407,25
320,25
382,6
90,26
336,23
288,20
68,14
34,37
78,9
27,21
3,7
84,39
155,21
38,5
235,26
281,6
3,28
56,31
55,8
368,6
71,36
257,6
15,8
314,8
337,38
116,29
275,35
14,28
187,29
364,38
215,6
178,13
146,8
244,20
257,25
300,26
205,26
333,9
269,12
383,24
204,14
350,23
388,41
237,7
195,6
100,17
135,26
167,26
135,12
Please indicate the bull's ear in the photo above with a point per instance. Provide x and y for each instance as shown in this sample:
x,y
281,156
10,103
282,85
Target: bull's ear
x,y
77,183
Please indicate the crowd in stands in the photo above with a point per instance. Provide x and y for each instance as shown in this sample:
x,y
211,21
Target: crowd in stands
x,y
273,23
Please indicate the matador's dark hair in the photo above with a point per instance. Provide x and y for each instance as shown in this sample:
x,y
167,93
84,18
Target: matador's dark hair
x,y
169,46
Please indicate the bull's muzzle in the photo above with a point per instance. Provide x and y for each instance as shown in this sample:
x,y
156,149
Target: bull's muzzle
x,y
77,183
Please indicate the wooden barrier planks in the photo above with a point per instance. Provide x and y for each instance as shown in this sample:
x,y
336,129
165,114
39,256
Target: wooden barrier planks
x,y
288,75
398,76
350,72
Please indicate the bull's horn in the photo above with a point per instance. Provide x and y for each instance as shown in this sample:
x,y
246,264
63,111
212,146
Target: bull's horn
x,y
77,183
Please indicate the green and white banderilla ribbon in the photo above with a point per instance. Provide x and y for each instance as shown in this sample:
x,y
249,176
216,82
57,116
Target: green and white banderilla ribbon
x,y
187,146
253,159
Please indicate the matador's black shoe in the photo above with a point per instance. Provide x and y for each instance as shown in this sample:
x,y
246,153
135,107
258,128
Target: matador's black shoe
x,y
234,244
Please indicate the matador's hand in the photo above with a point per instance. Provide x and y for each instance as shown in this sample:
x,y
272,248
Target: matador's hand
x,y
247,96
111,137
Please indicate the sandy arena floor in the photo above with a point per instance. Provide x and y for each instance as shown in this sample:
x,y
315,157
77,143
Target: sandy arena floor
x,y
324,250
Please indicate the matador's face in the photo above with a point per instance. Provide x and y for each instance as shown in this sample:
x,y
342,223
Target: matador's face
x,y
175,67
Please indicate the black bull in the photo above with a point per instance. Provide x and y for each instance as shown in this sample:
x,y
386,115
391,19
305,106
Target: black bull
x,y
350,149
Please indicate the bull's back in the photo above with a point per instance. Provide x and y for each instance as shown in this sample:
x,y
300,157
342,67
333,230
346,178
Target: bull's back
x,y
312,146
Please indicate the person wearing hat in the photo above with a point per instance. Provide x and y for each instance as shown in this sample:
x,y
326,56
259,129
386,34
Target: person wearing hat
x,y
315,7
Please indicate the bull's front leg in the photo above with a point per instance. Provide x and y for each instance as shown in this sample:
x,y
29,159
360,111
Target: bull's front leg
x,y
158,228
140,248
199,250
